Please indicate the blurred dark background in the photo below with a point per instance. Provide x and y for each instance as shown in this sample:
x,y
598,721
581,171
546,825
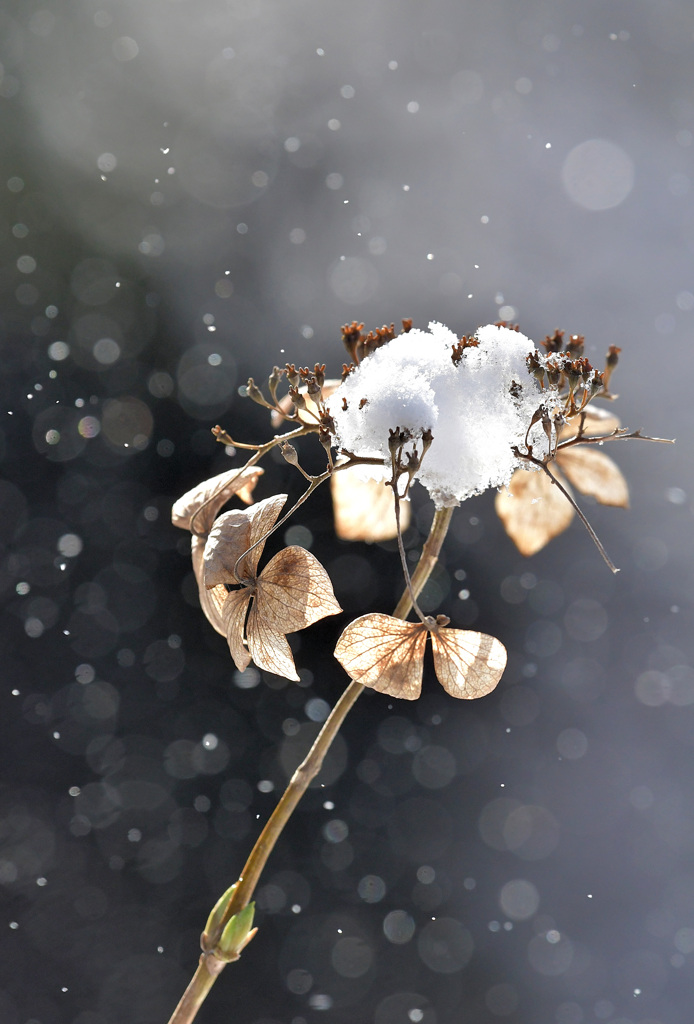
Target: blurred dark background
x,y
189,193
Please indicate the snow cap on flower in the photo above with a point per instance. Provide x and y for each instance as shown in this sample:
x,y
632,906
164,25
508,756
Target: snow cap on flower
x,y
477,399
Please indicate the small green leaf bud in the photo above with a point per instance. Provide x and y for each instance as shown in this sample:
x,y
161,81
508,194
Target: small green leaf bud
x,y
237,933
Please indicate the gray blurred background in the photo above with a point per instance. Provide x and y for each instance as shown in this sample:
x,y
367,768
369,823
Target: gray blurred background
x,y
190,193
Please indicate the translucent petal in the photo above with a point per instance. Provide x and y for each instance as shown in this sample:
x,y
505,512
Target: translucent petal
x,y
384,653
467,664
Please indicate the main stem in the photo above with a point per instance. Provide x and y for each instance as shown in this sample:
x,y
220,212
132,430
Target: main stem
x,y
209,966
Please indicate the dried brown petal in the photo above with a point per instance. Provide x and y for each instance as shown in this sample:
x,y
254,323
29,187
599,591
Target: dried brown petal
x,y
196,510
532,510
384,653
363,509
467,664
211,601
234,533
294,590
234,615
597,421
229,538
592,472
268,647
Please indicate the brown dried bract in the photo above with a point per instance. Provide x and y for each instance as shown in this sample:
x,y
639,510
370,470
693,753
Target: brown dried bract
x,y
196,510
292,592
363,509
533,510
387,655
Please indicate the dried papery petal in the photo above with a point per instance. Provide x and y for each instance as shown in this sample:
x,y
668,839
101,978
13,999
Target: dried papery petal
x,y
268,647
532,510
597,421
263,517
196,510
592,472
467,664
294,590
363,509
234,616
384,653
229,538
211,601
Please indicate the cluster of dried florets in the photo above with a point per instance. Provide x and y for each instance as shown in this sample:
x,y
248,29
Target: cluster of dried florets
x,y
459,415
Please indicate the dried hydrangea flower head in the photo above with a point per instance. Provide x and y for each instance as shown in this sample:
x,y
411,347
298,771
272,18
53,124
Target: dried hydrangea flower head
x,y
475,396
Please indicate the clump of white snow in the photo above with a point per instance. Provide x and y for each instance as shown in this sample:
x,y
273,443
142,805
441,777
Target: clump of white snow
x,y
476,410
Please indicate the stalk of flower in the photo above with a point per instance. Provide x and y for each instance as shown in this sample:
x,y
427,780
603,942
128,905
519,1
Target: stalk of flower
x,y
458,416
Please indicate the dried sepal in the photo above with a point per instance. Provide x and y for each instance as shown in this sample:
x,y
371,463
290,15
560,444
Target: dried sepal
x,y
387,654
596,421
468,664
532,510
363,509
234,611
310,413
594,473
197,508
211,601
294,590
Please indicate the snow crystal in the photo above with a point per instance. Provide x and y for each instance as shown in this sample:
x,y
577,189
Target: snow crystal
x,y
476,410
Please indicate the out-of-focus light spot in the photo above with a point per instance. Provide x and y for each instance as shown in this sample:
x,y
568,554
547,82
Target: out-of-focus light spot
x,y
392,65
317,710
134,835
412,107
26,264
266,786
242,229
52,436
125,48
152,244
297,236
223,288
334,181
484,219
107,162
519,899
106,351
685,301
20,230
15,184
676,496
160,384
306,331
210,741
165,448
292,144
598,175
127,422
23,588
334,125
51,312
70,545
507,312
214,359
572,744
260,179
33,627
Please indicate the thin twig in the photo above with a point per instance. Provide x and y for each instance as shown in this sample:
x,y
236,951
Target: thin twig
x,y
209,966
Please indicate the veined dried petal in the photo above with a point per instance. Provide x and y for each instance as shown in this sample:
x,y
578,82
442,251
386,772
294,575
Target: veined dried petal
x,y
234,616
197,508
294,590
467,664
234,533
229,538
532,510
384,653
211,601
363,509
592,472
597,421
268,647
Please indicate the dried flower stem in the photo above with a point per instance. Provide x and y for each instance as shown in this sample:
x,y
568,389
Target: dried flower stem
x,y
209,966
